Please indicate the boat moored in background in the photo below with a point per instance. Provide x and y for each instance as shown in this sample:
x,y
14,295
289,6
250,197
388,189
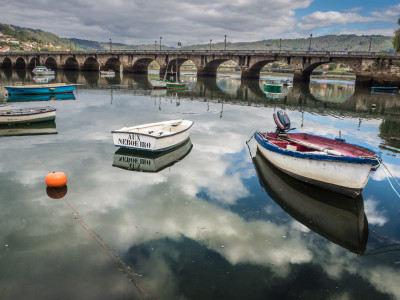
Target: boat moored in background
x,y
273,85
27,115
42,71
52,88
329,163
158,136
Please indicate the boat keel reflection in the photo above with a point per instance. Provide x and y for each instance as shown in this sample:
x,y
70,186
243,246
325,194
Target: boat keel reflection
x,y
145,161
336,217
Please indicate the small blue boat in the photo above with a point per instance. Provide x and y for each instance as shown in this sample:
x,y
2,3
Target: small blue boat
x,y
55,88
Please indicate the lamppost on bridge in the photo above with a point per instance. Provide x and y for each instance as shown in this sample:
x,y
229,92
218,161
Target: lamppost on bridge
x,y
280,45
110,45
309,47
210,44
370,44
160,42
155,45
225,41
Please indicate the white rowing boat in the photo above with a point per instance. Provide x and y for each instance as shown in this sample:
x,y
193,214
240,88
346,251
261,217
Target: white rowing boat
x,y
159,136
27,115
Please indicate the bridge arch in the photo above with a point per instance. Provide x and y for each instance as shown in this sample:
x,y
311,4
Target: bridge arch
x,y
71,64
7,63
91,64
141,65
51,63
20,63
34,61
112,64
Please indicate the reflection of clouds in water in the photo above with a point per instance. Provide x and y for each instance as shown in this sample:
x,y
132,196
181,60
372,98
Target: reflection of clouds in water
x,y
375,217
380,174
384,279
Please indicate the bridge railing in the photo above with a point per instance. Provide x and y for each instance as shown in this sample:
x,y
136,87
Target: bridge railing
x,y
213,52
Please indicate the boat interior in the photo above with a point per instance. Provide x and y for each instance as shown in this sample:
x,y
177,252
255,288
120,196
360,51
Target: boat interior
x,y
157,129
302,142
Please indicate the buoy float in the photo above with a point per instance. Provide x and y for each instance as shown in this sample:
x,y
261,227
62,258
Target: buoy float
x,y
56,192
56,179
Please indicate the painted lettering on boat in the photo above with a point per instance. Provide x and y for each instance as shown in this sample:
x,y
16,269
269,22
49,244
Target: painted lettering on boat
x,y
133,140
134,163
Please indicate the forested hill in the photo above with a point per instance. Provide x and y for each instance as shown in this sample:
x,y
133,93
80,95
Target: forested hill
x,y
378,43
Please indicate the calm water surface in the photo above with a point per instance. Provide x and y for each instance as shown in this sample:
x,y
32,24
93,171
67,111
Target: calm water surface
x,y
210,220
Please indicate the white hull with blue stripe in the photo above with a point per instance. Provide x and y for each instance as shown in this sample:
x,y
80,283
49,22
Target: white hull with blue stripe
x,y
318,161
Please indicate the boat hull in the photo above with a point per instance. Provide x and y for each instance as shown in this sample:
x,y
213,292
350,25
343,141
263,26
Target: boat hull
x,y
157,83
339,174
176,85
40,89
28,117
160,139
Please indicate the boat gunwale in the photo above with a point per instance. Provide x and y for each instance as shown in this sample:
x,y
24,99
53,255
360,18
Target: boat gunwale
x,y
37,110
347,159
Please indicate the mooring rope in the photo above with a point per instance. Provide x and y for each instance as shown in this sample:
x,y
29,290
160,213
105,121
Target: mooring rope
x,y
384,168
247,143
125,269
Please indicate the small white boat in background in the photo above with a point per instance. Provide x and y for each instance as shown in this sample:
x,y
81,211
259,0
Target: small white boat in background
x,y
27,115
108,73
42,71
158,136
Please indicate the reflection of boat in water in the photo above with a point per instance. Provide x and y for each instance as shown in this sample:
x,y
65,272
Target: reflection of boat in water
x,y
144,161
271,95
43,79
384,90
336,217
39,128
43,97
107,73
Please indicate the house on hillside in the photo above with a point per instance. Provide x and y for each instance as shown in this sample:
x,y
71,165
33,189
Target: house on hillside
x,y
5,49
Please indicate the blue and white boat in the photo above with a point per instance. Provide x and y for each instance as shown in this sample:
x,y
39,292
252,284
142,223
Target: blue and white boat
x,y
329,163
42,71
54,88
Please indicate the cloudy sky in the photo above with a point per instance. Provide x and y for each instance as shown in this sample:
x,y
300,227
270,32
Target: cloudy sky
x,y
196,22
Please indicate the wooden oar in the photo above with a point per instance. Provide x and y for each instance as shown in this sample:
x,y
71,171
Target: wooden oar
x,y
313,146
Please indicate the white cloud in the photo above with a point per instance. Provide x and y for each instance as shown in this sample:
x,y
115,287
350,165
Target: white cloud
x,y
325,19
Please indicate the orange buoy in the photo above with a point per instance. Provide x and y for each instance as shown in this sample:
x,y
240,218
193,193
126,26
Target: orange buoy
x,y
56,179
56,192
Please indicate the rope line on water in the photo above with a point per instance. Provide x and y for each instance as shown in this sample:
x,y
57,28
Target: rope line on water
x,y
384,168
121,265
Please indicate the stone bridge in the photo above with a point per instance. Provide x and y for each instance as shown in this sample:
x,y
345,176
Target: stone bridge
x,y
370,68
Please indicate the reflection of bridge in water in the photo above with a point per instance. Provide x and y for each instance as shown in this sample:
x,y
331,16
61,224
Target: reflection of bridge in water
x,y
361,104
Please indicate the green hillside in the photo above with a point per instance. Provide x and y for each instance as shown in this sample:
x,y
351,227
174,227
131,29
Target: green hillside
x,y
379,43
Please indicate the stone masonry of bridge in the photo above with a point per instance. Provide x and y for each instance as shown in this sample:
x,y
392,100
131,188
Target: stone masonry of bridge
x,y
370,68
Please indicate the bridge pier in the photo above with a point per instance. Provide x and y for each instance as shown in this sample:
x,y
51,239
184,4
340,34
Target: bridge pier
x,y
299,76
